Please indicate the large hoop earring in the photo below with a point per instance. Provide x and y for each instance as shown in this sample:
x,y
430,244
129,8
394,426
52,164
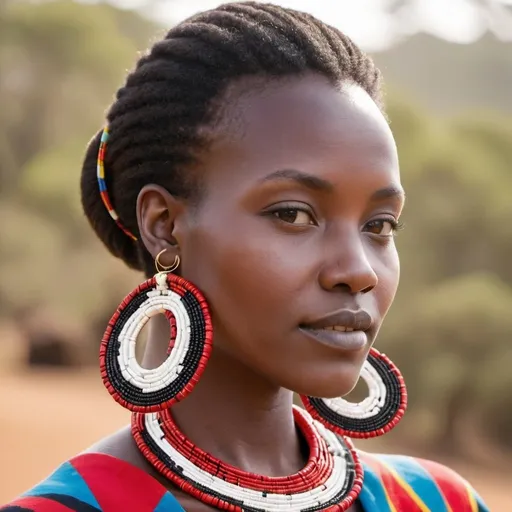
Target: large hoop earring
x,y
375,415
151,390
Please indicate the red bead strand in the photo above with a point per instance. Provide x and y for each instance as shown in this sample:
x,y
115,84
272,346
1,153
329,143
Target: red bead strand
x,y
316,472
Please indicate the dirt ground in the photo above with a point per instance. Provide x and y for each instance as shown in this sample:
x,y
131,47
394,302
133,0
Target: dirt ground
x,y
46,418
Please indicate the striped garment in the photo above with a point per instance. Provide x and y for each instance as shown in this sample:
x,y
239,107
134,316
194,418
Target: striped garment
x,y
101,483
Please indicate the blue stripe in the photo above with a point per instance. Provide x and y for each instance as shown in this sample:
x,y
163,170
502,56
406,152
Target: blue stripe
x,y
373,495
68,481
482,507
169,504
419,479
102,184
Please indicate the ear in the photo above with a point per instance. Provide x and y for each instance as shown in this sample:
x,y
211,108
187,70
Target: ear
x,y
157,213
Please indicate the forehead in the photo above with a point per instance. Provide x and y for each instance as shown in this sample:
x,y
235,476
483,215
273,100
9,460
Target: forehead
x,y
302,123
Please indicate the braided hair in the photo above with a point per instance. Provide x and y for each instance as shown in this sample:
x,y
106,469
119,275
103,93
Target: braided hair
x,y
157,118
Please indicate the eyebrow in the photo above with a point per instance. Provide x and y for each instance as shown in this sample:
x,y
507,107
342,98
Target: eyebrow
x,y
308,180
316,183
388,193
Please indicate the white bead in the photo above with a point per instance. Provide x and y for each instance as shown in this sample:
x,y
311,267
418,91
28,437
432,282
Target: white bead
x,y
251,498
370,406
161,281
149,380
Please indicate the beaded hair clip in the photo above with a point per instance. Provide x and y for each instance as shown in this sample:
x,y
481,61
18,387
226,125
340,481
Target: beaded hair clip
x,y
102,184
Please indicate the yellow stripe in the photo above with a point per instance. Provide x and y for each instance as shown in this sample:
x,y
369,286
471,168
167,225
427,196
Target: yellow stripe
x,y
441,493
471,497
408,489
392,507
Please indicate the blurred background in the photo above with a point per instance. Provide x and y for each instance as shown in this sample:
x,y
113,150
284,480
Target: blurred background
x,y
448,69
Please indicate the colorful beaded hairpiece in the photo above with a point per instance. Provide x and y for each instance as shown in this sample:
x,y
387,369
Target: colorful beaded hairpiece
x,y
103,185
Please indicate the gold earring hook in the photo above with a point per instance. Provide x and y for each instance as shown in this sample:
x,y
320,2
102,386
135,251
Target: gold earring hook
x,y
164,269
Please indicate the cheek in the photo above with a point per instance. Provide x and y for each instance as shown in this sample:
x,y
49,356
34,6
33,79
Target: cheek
x,y
248,279
388,271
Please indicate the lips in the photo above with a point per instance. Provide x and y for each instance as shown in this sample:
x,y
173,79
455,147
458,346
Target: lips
x,y
339,328
343,330
344,320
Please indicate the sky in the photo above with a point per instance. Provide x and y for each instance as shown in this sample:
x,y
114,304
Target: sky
x,y
367,21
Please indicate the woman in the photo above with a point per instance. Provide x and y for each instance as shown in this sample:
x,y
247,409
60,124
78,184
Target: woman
x,y
249,159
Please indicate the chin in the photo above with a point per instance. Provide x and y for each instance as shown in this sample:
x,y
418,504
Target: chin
x,y
319,382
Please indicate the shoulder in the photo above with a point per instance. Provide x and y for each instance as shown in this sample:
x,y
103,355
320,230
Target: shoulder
x,y
66,488
95,483
410,483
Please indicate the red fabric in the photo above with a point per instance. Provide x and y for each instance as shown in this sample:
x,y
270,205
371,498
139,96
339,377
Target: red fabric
x,y
454,488
396,493
104,473
39,504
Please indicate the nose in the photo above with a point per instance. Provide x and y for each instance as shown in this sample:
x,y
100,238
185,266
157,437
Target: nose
x,y
347,267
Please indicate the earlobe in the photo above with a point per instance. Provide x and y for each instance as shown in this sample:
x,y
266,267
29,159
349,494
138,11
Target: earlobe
x,y
157,212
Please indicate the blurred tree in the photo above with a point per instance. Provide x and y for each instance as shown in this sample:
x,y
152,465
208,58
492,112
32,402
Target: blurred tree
x,y
60,64
58,74
448,339
449,325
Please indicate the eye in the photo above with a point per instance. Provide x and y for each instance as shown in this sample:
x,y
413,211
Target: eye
x,y
382,227
291,214
294,216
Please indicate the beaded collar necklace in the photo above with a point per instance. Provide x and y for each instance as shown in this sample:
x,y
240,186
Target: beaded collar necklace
x,y
331,480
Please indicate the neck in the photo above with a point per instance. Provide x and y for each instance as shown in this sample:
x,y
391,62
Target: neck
x,y
231,412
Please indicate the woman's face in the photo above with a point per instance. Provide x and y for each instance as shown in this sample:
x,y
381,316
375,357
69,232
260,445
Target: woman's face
x,y
294,232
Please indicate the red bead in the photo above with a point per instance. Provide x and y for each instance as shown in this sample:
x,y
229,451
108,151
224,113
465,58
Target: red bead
x,y
315,473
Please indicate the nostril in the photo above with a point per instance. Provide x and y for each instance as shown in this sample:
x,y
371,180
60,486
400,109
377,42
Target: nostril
x,y
345,287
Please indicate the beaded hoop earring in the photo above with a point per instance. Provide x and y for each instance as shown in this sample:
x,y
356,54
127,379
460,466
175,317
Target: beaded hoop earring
x,y
151,390
375,415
